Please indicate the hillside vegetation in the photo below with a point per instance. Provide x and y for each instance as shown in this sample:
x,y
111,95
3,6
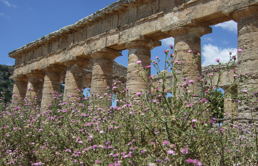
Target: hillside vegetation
x,y
6,84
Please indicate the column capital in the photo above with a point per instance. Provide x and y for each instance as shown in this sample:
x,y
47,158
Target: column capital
x,y
245,12
81,62
148,43
37,73
197,31
106,53
56,68
21,78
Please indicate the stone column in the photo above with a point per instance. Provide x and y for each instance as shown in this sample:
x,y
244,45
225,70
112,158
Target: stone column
x,y
230,105
51,84
186,39
138,50
247,19
87,79
35,85
102,70
19,88
74,77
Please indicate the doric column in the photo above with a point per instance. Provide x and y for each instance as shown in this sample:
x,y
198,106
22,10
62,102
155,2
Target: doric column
x,y
102,70
186,39
87,79
51,84
138,50
247,19
19,87
35,85
74,77
230,105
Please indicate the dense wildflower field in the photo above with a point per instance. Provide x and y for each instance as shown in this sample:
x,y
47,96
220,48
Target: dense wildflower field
x,y
143,129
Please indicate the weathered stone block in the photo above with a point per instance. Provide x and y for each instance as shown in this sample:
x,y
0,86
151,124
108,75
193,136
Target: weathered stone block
x,y
55,45
37,53
163,5
80,34
123,18
144,11
64,40
91,28
44,50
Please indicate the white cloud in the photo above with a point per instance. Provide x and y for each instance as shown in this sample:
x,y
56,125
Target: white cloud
x,y
229,25
225,42
211,52
207,39
8,4
3,15
168,41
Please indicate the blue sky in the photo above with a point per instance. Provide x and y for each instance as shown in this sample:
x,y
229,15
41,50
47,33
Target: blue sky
x,y
23,21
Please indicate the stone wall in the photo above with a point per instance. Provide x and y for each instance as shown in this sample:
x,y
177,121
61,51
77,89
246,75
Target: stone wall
x,y
226,76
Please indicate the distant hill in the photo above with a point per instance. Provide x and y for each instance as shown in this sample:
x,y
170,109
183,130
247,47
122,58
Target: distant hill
x,y
6,84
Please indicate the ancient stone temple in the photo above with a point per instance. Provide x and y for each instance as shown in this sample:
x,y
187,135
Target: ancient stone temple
x,y
136,25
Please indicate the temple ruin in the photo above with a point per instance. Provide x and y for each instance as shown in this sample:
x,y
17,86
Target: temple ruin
x,y
136,25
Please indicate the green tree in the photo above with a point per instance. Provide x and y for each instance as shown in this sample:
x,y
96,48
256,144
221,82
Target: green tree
x,y
216,100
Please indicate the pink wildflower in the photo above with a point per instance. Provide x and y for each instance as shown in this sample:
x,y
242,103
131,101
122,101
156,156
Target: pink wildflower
x,y
114,87
189,160
138,61
172,146
197,162
194,120
138,93
170,152
165,142
184,151
245,91
239,50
